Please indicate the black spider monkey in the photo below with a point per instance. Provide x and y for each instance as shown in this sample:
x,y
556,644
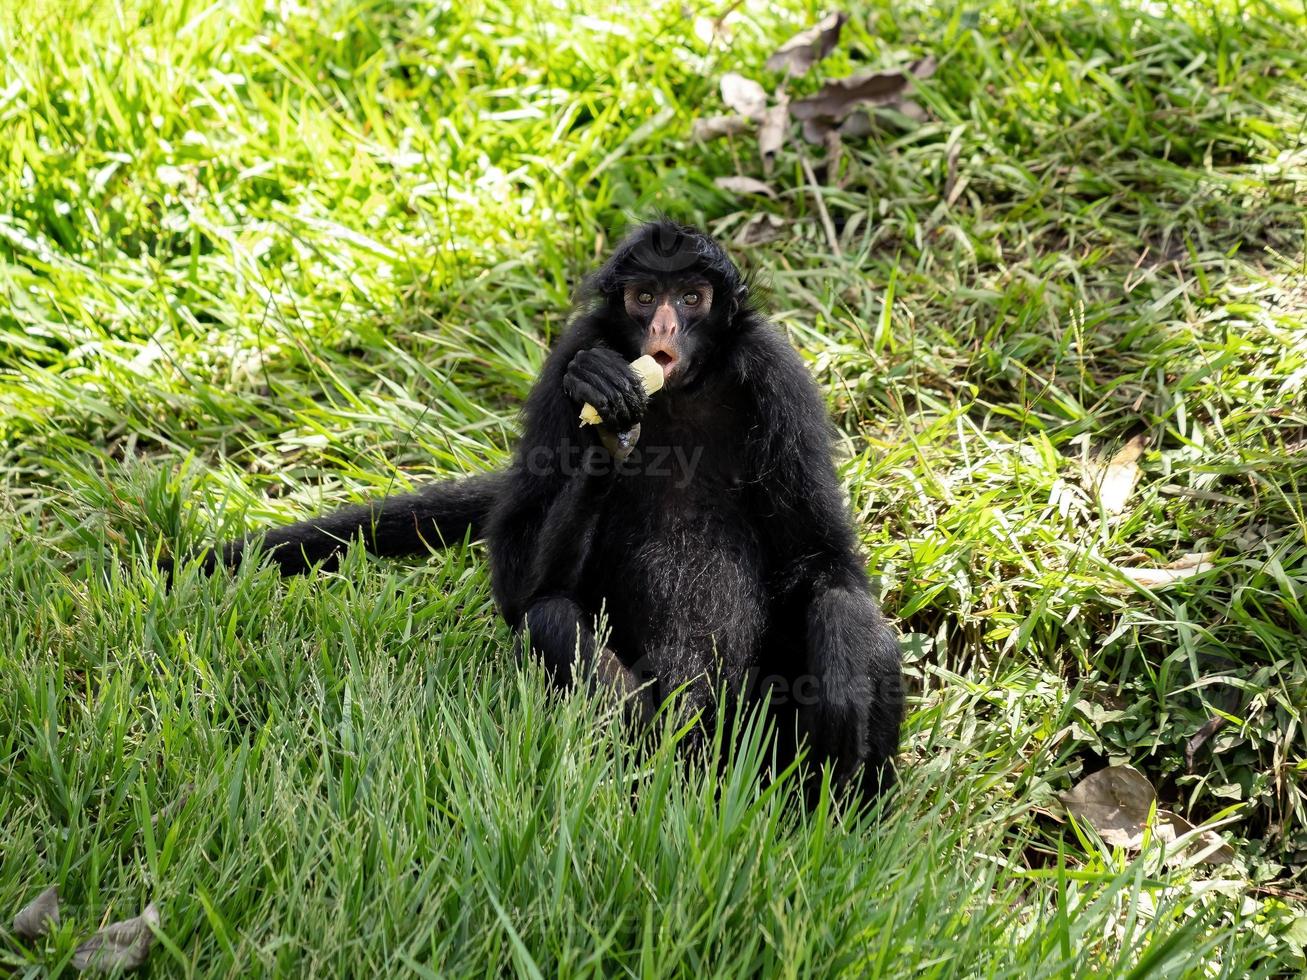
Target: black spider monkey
x,y
704,523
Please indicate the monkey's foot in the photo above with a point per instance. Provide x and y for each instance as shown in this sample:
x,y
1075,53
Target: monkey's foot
x,y
635,696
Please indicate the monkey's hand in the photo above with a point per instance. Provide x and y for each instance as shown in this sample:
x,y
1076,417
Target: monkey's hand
x,y
601,377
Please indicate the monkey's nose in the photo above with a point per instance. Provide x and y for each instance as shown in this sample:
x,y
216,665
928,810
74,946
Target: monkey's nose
x,y
664,323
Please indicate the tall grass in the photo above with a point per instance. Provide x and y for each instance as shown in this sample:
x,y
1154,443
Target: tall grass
x,y
258,259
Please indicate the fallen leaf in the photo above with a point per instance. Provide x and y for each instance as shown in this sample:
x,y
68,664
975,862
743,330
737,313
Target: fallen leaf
x,y
716,127
712,29
837,98
1115,481
744,185
1199,739
951,187
1111,801
806,48
38,916
815,129
169,812
1118,802
1182,568
744,95
120,945
924,67
760,229
1207,846
857,125
834,154
771,134
911,109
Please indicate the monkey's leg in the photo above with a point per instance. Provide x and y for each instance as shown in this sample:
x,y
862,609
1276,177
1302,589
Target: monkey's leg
x,y
561,636
560,630
563,544
851,702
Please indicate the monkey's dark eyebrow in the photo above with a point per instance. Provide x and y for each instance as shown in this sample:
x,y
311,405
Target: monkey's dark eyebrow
x,y
685,285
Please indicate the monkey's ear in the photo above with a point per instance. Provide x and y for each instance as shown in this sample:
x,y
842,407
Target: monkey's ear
x,y
738,297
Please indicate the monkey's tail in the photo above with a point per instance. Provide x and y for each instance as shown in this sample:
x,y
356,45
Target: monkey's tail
x,y
435,516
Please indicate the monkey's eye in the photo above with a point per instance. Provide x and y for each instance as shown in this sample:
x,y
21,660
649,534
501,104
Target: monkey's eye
x,y
644,298
691,298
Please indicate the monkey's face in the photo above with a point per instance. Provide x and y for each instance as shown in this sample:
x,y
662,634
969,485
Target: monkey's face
x,y
671,318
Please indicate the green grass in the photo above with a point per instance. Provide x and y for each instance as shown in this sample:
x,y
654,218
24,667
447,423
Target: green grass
x,y
259,259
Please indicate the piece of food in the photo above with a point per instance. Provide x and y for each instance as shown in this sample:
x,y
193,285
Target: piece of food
x,y
651,377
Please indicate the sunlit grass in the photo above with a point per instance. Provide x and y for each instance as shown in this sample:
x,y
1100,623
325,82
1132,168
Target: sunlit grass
x,y
258,259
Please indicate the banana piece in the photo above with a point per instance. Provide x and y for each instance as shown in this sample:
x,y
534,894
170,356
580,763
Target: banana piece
x,y
651,377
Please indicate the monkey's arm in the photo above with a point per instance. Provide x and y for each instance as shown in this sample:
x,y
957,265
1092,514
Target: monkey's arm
x,y
542,528
539,535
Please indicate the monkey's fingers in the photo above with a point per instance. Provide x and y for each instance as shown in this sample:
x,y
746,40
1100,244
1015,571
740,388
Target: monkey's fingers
x,y
650,373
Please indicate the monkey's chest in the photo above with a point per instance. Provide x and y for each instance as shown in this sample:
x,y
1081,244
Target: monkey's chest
x,y
677,569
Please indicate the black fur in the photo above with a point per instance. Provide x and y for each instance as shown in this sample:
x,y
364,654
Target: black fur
x,y
404,524
720,552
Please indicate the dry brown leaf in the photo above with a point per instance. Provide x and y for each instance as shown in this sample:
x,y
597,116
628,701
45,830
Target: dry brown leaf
x,y
858,123
834,155
743,95
924,67
1112,801
1200,738
806,48
951,187
912,110
771,134
744,185
120,945
38,916
856,126
815,130
715,127
1178,570
1117,803
169,812
711,30
1115,481
837,98
1207,846
760,229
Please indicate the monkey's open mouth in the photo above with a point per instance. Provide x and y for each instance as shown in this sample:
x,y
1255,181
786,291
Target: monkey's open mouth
x,y
666,360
